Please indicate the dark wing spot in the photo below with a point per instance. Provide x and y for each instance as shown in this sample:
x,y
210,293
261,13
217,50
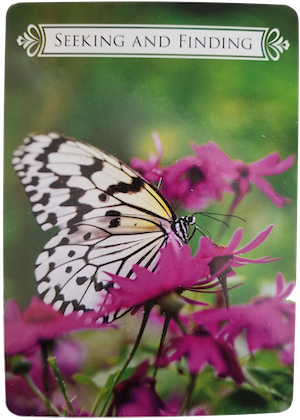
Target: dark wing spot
x,y
98,286
64,241
115,222
75,194
61,182
71,254
103,197
135,186
45,199
52,219
44,169
51,266
81,280
79,307
31,193
112,213
90,169
87,236
82,209
51,251
35,181
52,148
73,229
68,269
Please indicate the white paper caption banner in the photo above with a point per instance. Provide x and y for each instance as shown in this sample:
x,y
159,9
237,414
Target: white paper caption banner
x,y
153,41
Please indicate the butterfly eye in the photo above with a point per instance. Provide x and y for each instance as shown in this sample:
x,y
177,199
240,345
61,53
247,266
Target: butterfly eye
x,y
190,219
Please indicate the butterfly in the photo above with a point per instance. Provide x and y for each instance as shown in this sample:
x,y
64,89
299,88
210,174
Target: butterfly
x,y
109,218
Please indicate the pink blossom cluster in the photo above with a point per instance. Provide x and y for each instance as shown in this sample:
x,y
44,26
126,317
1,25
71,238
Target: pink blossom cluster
x,y
197,334
193,182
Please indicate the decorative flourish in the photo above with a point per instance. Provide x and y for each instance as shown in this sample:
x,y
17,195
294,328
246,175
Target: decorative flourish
x,y
31,40
276,44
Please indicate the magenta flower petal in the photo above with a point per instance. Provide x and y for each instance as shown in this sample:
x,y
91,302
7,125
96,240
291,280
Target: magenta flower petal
x,y
201,349
268,323
268,190
136,396
283,290
41,322
150,168
177,271
12,311
158,146
234,241
256,241
194,181
222,258
216,156
254,172
271,165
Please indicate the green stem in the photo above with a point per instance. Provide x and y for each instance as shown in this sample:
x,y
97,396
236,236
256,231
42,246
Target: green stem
x,y
45,347
128,360
40,395
187,401
53,364
181,325
162,340
223,281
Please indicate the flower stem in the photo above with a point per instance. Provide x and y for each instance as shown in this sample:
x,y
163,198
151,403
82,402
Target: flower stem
x,y
187,401
40,395
45,347
162,340
181,325
128,360
223,281
53,364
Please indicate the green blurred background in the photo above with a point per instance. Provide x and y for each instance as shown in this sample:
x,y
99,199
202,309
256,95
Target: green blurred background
x,y
248,107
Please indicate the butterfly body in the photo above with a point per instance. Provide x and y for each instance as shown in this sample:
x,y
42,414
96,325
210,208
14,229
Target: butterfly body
x,y
109,217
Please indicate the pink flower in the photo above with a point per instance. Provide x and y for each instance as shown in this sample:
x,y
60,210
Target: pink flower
x,y
136,396
70,355
40,322
268,323
200,349
195,181
223,259
254,172
228,256
177,271
149,169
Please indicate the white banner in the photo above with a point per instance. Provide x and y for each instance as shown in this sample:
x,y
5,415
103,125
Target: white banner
x,y
152,41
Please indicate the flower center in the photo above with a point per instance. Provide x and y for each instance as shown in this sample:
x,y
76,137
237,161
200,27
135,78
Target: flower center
x,y
195,175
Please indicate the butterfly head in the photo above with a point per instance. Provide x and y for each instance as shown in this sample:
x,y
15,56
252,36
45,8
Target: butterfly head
x,y
181,227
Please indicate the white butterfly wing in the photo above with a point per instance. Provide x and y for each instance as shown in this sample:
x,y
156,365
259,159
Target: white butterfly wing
x,y
71,271
68,181
110,218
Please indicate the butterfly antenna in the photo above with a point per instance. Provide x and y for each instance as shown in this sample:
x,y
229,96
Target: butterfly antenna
x,y
211,217
209,214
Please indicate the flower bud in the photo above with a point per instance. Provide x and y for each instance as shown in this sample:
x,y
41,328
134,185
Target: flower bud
x,y
170,304
19,365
